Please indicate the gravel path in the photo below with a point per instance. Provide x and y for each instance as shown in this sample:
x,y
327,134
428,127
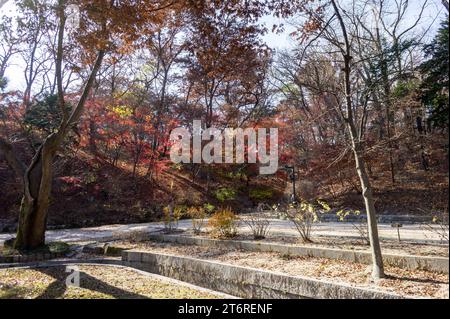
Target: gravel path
x,y
278,227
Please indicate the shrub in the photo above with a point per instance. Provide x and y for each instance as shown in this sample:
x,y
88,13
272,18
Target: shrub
x,y
197,215
223,223
261,194
172,215
439,225
359,225
223,194
180,211
258,224
209,208
304,216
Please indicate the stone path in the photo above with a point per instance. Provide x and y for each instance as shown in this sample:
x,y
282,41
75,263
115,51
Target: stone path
x,y
407,232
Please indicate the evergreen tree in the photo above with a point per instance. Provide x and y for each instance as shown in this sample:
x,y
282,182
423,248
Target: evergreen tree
x,y
435,70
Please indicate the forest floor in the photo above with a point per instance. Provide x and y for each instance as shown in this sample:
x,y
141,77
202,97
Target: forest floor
x,y
96,282
88,195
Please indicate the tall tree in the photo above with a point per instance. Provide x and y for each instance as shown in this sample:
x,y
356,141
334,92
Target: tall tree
x,y
102,21
358,150
435,90
331,77
9,46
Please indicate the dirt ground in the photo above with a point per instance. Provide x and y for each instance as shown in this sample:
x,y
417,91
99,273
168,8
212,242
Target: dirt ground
x,y
400,281
388,246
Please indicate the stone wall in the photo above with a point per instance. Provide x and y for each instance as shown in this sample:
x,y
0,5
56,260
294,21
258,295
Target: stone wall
x,y
244,282
437,264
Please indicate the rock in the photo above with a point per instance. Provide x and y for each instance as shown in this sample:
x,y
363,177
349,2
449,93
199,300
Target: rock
x,y
111,250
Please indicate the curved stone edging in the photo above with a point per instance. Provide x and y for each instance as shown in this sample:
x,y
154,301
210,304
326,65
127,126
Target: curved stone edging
x,y
246,282
31,258
436,264
62,262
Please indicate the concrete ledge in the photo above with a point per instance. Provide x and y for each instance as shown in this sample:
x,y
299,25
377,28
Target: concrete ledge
x,y
435,264
62,262
245,282
383,219
31,257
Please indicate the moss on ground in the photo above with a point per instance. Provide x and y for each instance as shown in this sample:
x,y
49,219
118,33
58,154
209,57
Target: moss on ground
x,y
52,247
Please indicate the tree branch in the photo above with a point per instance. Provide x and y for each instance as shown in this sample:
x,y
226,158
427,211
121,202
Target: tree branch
x,y
59,58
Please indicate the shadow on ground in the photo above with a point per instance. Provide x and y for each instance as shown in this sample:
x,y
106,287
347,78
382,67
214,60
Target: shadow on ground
x,y
58,287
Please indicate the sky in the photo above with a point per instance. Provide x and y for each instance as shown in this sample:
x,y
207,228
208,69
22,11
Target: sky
x,y
276,41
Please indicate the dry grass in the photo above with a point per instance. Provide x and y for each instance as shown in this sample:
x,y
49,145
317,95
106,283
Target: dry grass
x,y
97,282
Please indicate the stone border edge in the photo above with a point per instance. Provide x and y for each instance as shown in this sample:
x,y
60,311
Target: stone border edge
x,y
410,262
246,282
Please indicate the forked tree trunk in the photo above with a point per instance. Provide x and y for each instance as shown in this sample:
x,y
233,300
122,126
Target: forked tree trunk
x,y
36,198
37,179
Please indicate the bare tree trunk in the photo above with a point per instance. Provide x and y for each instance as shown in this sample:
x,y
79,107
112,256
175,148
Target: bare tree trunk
x,y
357,147
377,259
